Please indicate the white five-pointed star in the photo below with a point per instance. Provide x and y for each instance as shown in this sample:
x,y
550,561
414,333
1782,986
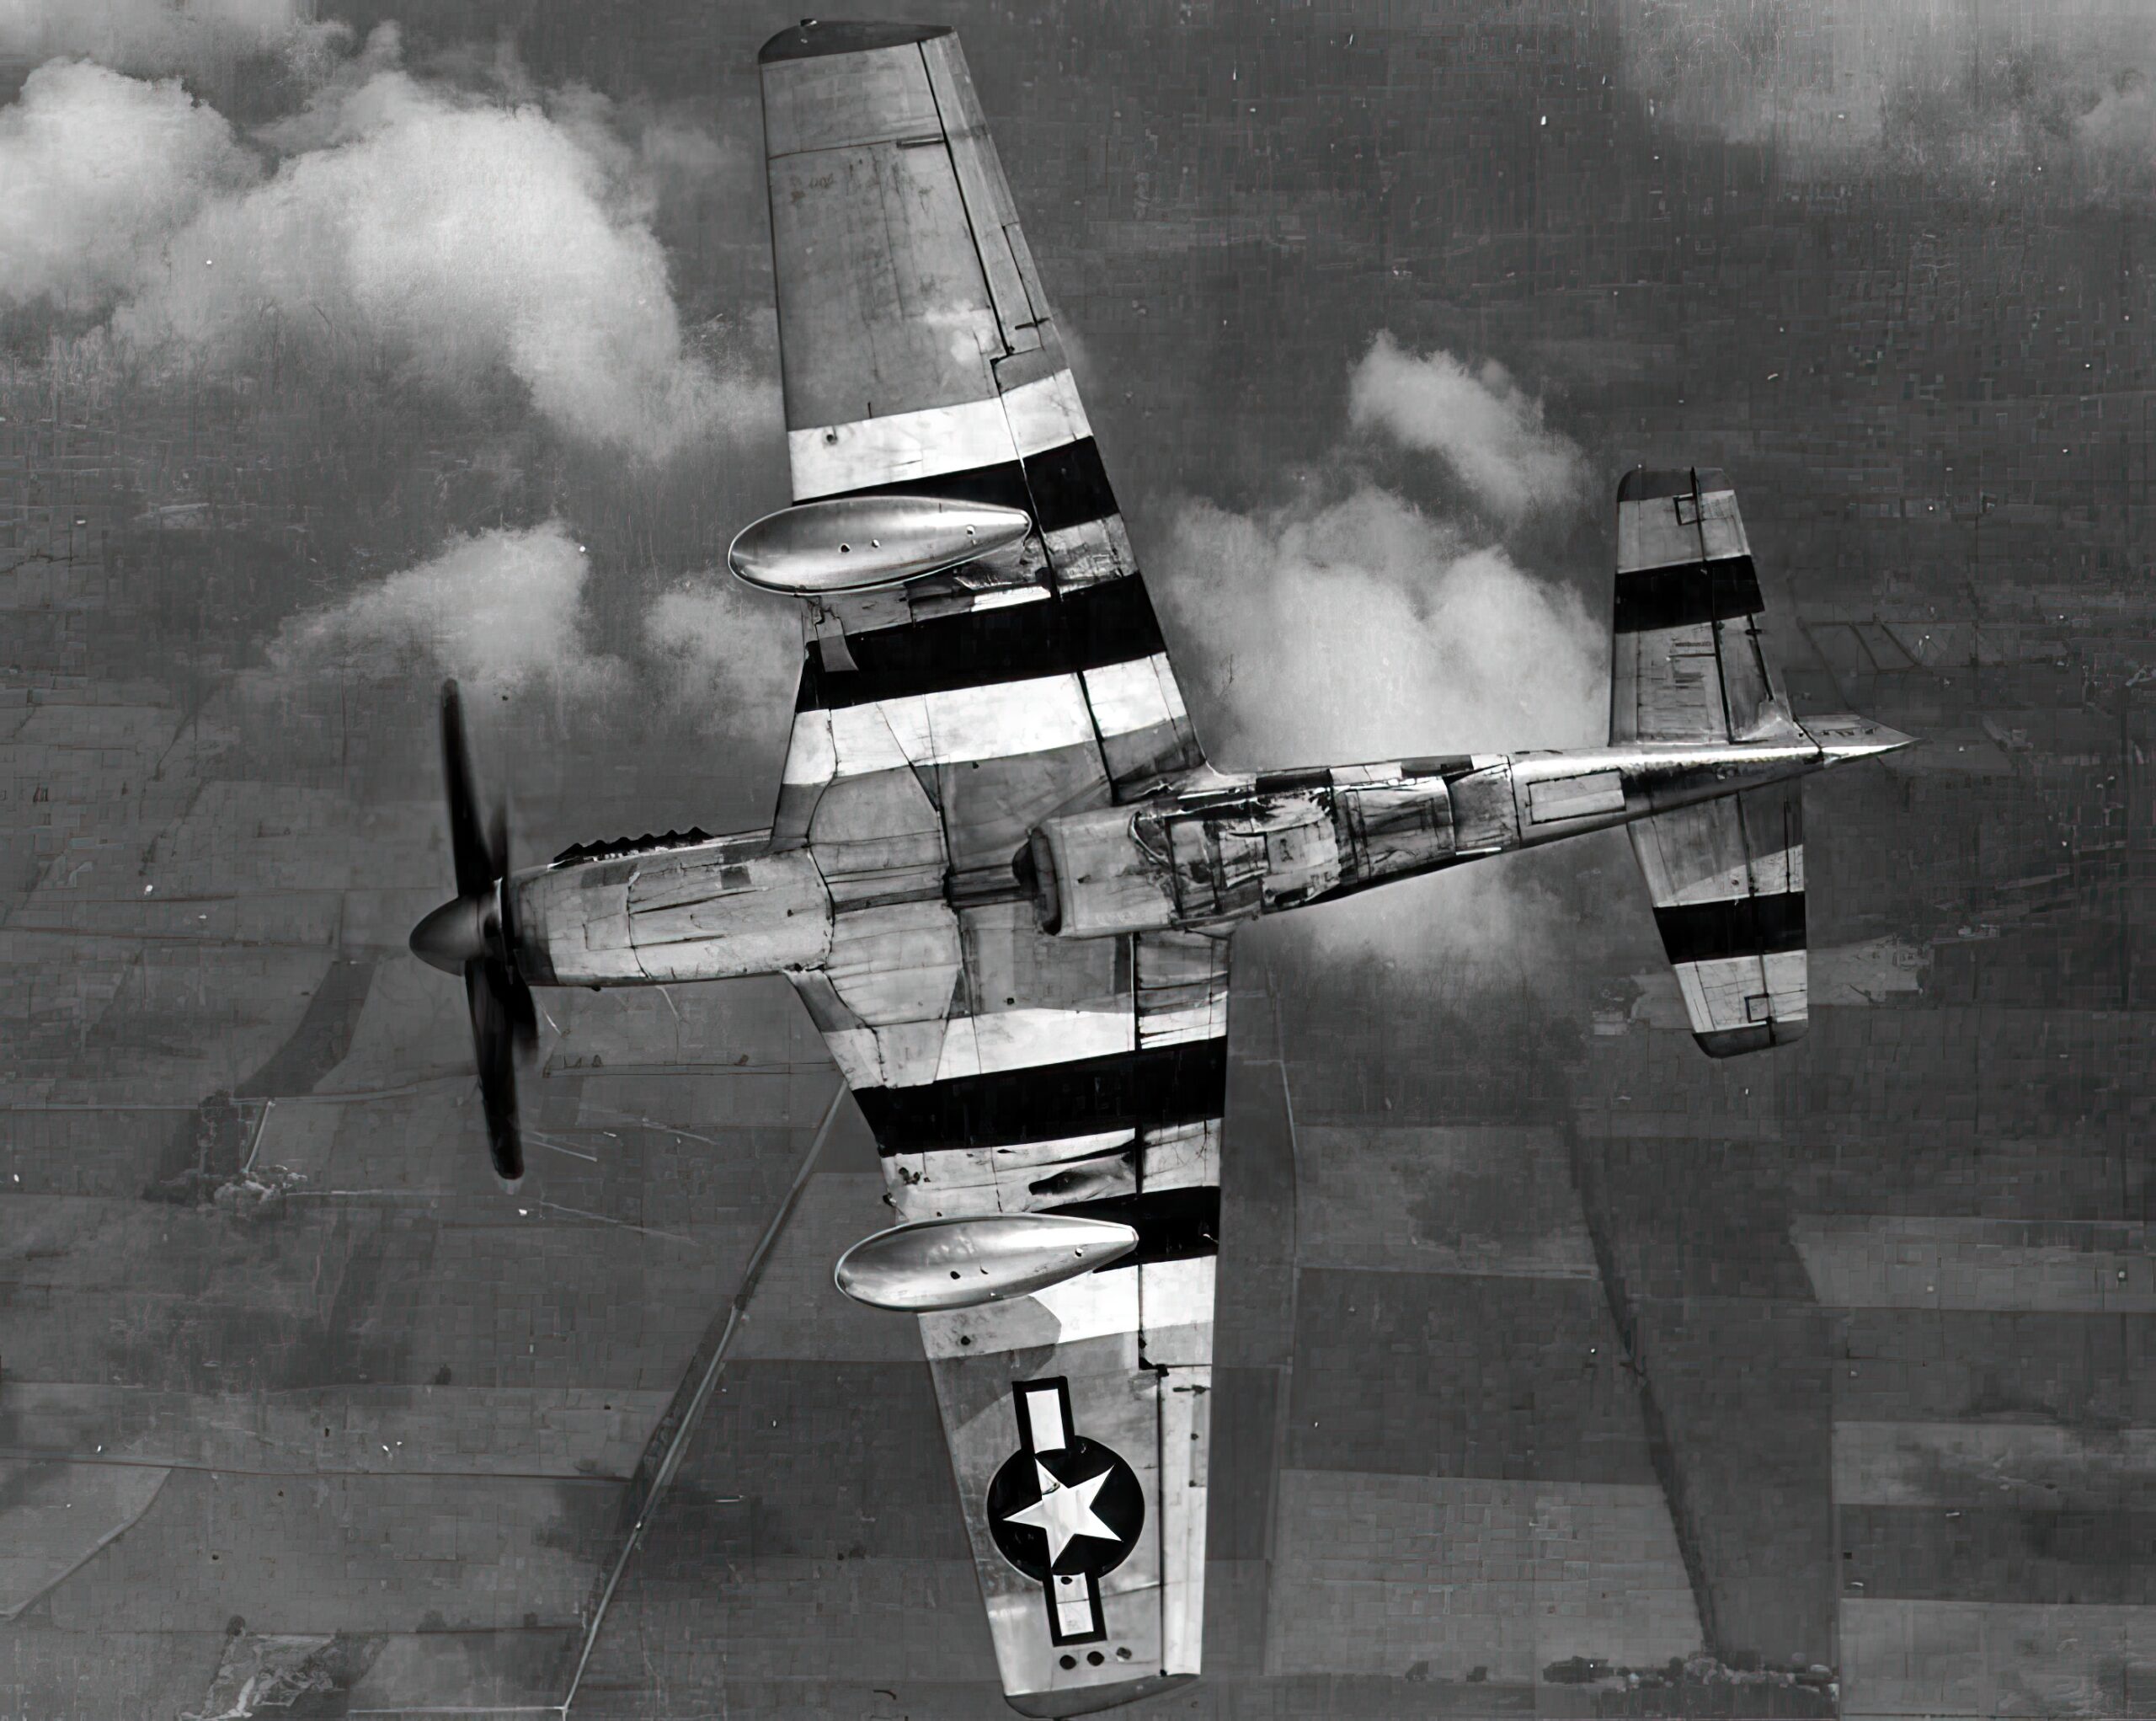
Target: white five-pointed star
x,y
1065,1511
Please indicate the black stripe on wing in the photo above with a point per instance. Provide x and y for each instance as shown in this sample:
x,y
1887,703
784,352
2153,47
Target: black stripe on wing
x,y
1059,487
1165,1084
1086,628
1173,1225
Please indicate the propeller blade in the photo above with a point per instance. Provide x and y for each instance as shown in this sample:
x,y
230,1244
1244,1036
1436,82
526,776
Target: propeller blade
x,y
477,929
494,1044
498,840
467,843
523,1013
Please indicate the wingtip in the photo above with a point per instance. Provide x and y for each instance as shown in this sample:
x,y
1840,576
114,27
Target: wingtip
x,y
813,38
1843,738
1085,1699
1642,485
1646,484
1754,1036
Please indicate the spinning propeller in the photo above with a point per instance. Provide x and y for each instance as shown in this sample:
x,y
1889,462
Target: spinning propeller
x,y
476,933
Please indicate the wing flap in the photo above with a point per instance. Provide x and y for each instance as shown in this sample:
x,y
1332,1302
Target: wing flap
x,y
1185,1465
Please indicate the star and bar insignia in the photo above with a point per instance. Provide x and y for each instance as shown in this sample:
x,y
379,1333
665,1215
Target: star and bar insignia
x,y
1064,1509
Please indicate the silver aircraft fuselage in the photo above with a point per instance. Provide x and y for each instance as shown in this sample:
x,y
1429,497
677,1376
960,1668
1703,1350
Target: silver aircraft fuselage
x,y
1212,850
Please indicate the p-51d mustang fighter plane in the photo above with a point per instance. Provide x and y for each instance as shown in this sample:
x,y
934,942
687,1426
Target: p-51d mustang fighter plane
x,y
1002,876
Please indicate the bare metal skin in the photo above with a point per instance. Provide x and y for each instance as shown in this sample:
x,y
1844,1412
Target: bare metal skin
x,y
861,542
1222,849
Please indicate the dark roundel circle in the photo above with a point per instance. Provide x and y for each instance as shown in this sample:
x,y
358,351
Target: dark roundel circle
x,y
1118,1504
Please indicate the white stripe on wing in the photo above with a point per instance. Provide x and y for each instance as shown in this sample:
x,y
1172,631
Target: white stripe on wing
x,y
999,721
828,459
901,446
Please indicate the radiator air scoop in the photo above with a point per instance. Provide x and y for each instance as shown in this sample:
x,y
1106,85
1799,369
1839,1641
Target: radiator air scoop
x,y
855,543
961,1264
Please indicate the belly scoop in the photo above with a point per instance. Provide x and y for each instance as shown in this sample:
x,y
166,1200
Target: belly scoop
x,y
707,912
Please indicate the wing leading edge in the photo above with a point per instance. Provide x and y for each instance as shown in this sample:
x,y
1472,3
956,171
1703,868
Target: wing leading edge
x,y
1000,1070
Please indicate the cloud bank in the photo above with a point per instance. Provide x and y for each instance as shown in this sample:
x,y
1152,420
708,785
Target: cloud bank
x,y
511,610
1364,629
456,237
725,652
499,609
1477,422
97,172
161,35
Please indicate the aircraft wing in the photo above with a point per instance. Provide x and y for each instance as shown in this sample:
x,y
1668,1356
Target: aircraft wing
x,y
1727,876
1001,1069
1078,1418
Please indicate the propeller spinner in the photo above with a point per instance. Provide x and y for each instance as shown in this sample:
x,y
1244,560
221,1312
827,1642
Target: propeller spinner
x,y
475,934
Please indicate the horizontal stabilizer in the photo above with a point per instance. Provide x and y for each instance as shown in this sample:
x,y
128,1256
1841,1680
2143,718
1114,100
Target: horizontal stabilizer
x,y
1727,876
1686,661
1728,881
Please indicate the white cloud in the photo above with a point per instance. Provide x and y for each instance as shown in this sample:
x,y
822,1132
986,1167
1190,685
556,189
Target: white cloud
x,y
97,172
460,238
161,35
1363,629
1485,922
499,609
406,225
651,155
1477,420
510,609
2120,131
727,653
